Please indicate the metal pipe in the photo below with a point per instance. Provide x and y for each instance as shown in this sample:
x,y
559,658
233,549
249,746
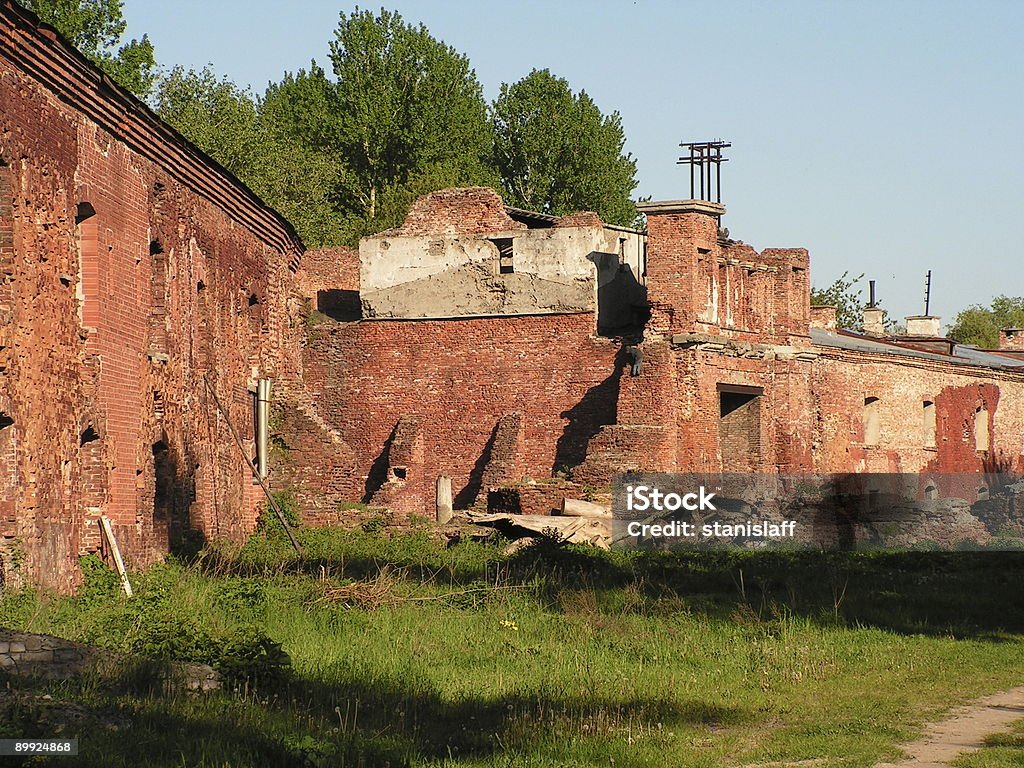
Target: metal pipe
x,y
718,176
871,293
252,467
701,154
262,426
691,171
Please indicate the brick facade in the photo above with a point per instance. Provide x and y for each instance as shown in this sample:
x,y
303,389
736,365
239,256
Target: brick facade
x,y
144,291
134,271
501,397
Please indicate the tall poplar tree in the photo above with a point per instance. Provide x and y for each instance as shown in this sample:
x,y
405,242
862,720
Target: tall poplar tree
x,y
556,152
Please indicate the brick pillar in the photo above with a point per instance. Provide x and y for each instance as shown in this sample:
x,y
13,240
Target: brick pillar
x,y
682,252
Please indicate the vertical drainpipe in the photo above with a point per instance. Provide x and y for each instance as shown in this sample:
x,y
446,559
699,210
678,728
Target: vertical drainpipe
x,y
262,425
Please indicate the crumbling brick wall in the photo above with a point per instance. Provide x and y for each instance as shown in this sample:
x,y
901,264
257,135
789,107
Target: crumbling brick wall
x,y
459,379
457,211
132,271
1011,339
699,283
965,399
329,278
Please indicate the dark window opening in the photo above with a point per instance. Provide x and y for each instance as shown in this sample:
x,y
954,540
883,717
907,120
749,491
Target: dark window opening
x,y
928,424
5,421
253,300
400,472
84,211
505,255
90,435
88,265
739,427
982,425
155,248
200,286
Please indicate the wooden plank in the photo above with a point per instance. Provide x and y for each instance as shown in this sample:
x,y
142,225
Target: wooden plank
x,y
116,551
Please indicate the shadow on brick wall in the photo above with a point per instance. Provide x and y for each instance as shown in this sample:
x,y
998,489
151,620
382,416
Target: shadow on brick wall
x,y
467,497
343,306
597,408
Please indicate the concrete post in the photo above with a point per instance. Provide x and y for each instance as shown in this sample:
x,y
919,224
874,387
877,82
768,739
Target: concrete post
x,y
444,499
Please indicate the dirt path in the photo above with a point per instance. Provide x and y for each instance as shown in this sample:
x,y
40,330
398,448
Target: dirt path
x,y
962,731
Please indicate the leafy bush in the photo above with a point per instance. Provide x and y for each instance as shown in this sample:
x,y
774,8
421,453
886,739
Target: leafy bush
x,y
100,582
268,524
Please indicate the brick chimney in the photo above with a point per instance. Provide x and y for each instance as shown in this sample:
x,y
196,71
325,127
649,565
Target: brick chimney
x,y
1011,338
924,325
823,316
874,321
682,248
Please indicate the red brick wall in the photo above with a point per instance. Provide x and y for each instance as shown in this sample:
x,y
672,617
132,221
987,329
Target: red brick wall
x,y
458,379
465,210
175,290
697,284
329,277
843,380
580,219
672,266
336,268
1011,338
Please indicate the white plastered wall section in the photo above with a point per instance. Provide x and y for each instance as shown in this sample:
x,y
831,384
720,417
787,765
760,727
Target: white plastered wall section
x,y
553,270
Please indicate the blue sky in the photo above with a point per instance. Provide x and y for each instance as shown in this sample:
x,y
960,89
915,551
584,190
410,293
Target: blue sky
x,y
886,137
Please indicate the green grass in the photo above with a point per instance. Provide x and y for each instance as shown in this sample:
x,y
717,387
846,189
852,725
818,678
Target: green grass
x,y
1000,751
405,653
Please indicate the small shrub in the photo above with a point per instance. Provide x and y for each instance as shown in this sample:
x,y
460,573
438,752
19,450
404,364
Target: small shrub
x,y
376,524
100,583
269,524
251,656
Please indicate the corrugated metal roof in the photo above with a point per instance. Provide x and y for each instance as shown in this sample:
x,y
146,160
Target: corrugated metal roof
x,y
531,218
987,357
962,355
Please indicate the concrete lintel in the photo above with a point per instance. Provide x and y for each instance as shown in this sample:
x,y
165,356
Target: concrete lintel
x,y
681,206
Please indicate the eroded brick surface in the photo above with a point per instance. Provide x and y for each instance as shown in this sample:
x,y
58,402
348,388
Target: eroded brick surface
x,y
144,292
458,380
128,282
466,210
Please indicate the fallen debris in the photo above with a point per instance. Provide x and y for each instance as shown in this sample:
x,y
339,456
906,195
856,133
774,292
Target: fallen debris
x,y
595,531
580,508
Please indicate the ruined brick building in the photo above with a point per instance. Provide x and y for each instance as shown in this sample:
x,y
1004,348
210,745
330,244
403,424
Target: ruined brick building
x,y
140,285
145,294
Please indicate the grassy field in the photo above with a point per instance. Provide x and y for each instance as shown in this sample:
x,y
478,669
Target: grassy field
x,y
1002,751
406,653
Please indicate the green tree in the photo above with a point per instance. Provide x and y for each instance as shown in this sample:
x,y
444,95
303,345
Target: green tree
x,y
403,115
980,325
411,115
96,27
300,174
557,153
845,295
215,115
